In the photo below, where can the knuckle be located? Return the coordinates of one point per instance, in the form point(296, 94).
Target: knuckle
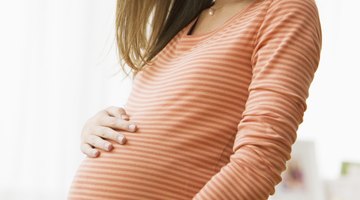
point(91, 139)
point(109, 132)
point(87, 134)
point(103, 134)
point(113, 122)
point(97, 141)
point(99, 113)
point(86, 129)
point(90, 123)
point(113, 134)
point(121, 110)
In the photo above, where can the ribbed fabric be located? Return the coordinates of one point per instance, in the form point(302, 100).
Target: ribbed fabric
point(217, 113)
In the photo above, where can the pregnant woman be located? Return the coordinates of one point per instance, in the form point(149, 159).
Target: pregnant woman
point(219, 91)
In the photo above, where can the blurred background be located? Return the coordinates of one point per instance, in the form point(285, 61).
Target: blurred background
point(57, 66)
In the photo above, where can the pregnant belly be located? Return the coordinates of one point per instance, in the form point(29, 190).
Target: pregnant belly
point(149, 166)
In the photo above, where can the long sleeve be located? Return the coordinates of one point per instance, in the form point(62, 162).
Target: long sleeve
point(285, 58)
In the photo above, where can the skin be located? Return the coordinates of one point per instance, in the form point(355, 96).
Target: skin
point(224, 9)
point(106, 123)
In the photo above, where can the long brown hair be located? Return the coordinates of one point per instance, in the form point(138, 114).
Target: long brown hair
point(164, 18)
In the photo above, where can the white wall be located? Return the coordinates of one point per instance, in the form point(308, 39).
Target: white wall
point(56, 61)
point(56, 58)
point(333, 114)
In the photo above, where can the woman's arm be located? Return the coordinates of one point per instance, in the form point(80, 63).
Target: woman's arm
point(286, 56)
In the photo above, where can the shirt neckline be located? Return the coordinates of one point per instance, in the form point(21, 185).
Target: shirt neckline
point(218, 29)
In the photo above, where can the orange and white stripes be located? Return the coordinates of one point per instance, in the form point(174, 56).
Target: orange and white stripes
point(217, 113)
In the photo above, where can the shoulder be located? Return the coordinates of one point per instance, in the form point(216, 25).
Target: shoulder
point(292, 11)
point(295, 19)
point(297, 6)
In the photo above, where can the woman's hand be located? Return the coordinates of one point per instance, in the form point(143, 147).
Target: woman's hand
point(103, 125)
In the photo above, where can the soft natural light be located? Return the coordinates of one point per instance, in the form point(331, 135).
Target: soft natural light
point(56, 66)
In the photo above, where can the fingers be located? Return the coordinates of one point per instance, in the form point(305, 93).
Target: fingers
point(95, 140)
point(117, 123)
point(98, 142)
point(103, 126)
point(89, 151)
point(106, 132)
point(119, 112)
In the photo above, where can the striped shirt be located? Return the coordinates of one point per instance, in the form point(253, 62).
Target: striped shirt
point(217, 113)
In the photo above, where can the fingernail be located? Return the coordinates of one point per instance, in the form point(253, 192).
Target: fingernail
point(121, 139)
point(95, 153)
point(132, 127)
point(107, 146)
